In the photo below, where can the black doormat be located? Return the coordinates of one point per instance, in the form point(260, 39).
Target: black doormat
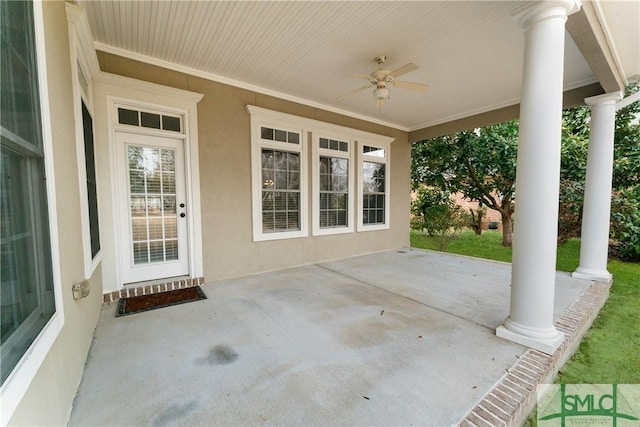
point(142, 303)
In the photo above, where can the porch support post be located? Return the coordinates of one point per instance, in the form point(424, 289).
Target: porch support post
point(594, 243)
point(530, 320)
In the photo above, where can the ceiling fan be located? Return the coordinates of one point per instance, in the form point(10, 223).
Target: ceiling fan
point(382, 80)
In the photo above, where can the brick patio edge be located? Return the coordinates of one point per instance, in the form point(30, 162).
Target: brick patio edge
point(151, 289)
point(505, 400)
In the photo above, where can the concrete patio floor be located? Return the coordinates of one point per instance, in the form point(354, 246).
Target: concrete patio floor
point(396, 338)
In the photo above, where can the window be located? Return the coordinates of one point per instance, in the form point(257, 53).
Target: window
point(149, 119)
point(332, 186)
point(373, 177)
point(374, 187)
point(279, 178)
point(334, 191)
point(92, 188)
point(280, 191)
point(26, 277)
point(85, 153)
point(338, 161)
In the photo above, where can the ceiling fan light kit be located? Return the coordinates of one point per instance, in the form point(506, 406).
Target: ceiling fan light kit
point(381, 79)
point(381, 93)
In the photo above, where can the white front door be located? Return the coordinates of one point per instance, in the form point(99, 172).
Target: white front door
point(153, 211)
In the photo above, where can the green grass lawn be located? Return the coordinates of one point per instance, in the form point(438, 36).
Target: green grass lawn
point(610, 351)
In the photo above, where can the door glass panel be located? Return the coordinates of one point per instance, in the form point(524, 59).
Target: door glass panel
point(168, 183)
point(153, 183)
point(155, 228)
point(171, 249)
point(168, 160)
point(136, 179)
point(156, 251)
point(140, 253)
point(139, 226)
point(152, 189)
point(170, 228)
point(169, 205)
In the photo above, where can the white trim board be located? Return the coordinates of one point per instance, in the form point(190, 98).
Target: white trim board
point(83, 60)
point(315, 126)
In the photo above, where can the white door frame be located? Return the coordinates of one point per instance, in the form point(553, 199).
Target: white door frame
point(151, 270)
point(122, 228)
point(110, 91)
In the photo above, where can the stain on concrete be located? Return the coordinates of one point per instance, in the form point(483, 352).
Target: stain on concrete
point(173, 413)
point(221, 355)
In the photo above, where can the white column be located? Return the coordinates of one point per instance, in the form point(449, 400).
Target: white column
point(594, 243)
point(530, 320)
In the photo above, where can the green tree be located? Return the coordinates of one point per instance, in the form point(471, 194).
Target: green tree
point(626, 168)
point(625, 203)
point(573, 166)
point(480, 164)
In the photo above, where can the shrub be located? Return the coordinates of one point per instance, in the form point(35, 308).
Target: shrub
point(475, 219)
point(570, 209)
point(426, 198)
point(434, 212)
point(445, 222)
point(625, 224)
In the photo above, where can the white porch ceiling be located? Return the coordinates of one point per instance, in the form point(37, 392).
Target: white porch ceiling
point(470, 53)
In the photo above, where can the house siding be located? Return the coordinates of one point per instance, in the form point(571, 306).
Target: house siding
point(49, 398)
point(224, 135)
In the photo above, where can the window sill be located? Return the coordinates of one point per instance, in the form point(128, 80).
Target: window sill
point(332, 231)
point(376, 227)
point(18, 382)
point(264, 237)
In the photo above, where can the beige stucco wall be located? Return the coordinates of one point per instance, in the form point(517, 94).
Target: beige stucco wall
point(225, 178)
point(48, 400)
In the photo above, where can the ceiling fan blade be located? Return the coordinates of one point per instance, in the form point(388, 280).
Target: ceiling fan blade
point(361, 76)
point(360, 89)
point(406, 68)
point(418, 87)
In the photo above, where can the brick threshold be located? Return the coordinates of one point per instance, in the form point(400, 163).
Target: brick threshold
point(151, 289)
point(513, 397)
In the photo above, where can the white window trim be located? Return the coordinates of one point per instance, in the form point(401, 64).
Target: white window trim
point(386, 160)
point(17, 383)
point(84, 58)
point(261, 116)
point(257, 144)
point(317, 152)
point(153, 109)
